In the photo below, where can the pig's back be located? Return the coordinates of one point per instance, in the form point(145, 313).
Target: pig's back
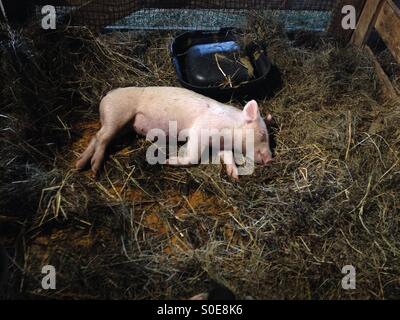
point(176, 98)
point(164, 104)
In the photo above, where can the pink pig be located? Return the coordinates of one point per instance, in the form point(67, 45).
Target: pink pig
point(144, 109)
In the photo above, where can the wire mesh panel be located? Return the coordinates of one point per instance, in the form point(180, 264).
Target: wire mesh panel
point(214, 19)
point(175, 14)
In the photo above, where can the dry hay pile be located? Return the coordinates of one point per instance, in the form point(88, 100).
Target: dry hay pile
point(140, 231)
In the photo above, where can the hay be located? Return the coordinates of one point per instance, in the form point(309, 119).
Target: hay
point(141, 231)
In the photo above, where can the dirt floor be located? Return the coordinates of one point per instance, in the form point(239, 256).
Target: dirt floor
point(153, 232)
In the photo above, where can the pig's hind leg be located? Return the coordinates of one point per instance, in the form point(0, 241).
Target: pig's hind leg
point(86, 155)
point(112, 123)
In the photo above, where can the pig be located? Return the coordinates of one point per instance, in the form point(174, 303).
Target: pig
point(145, 108)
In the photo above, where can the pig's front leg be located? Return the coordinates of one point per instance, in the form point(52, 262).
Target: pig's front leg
point(229, 161)
point(194, 149)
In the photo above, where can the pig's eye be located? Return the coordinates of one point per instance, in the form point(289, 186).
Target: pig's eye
point(263, 135)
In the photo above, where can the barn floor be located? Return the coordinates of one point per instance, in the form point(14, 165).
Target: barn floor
point(153, 232)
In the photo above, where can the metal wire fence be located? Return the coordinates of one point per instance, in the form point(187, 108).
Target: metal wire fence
point(179, 14)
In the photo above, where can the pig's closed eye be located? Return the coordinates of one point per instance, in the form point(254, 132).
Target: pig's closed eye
point(263, 134)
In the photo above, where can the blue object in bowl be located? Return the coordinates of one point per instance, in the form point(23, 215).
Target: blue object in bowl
point(209, 48)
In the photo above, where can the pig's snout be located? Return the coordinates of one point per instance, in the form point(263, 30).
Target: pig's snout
point(267, 159)
point(264, 158)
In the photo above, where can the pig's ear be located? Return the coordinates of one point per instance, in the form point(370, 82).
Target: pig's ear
point(250, 111)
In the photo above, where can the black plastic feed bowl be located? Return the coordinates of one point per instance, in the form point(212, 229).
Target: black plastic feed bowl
point(214, 64)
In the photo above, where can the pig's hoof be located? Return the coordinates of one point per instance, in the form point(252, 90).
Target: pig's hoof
point(232, 171)
point(80, 164)
point(95, 173)
point(200, 296)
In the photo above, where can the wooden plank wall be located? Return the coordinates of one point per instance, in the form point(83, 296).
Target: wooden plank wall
point(365, 22)
point(388, 26)
point(384, 16)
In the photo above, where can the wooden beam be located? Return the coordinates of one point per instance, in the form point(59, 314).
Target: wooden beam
point(388, 27)
point(387, 86)
point(366, 21)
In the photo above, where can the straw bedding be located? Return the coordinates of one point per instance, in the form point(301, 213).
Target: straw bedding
point(139, 231)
